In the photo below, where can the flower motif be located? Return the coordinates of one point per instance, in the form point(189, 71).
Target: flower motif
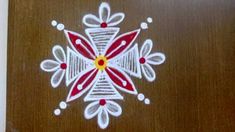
point(102, 109)
point(59, 66)
point(145, 60)
point(104, 20)
point(101, 63)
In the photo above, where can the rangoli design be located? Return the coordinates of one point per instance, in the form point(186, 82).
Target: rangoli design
point(100, 67)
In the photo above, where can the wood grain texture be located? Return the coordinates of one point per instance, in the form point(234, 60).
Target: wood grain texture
point(195, 87)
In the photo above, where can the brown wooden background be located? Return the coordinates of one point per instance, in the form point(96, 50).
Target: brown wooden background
point(195, 87)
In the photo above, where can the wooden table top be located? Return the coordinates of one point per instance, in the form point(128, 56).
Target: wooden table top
point(195, 87)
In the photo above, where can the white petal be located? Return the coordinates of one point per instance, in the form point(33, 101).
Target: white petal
point(49, 65)
point(103, 118)
point(156, 58)
point(113, 108)
point(104, 12)
point(57, 78)
point(148, 72)
point(115, 19)
point(59, 54)
point(91, 21)
point(146, 48)
point(92, 110)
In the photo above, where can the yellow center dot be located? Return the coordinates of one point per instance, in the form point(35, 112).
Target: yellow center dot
point(101, 62)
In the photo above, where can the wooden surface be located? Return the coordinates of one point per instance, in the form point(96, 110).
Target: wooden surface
point(195, 87)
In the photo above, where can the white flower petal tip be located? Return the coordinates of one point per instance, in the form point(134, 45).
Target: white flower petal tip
point(148, 72)
point(91, 21)
point(156, 58)
point(103, 118)
point(49, 65)
point(115, 19)
point(104, 12)
point(113, 108)
point(146, 48)
point(92, 110)
point(59, 54)
point(105, 18)
point(57, 77)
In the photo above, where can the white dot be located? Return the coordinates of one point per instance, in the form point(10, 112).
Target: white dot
point(123, 42)
point(78, 41)
point(149, 20)
point(144, 25)
point(60, 26)
point(79, 87)
point(124, 83)
point(63, 105)
point(57, 112)
point(53, 23)
point(147, 101)
point(140, 97)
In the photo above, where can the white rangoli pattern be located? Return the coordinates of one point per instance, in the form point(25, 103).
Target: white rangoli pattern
point(102, 65)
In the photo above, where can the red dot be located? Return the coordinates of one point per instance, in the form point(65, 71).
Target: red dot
point(142, 60)
point(101, 62)
point(102, 102)
point(63, 66)
point(103, 25)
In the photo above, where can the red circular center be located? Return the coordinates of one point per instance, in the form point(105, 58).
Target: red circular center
point(142, 60)
point(102, 102)
point(63, 66)
point(103, 25)
point(101, 62)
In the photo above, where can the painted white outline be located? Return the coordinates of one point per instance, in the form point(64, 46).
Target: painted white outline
point(127, 77)
point(123, 43)
point(79, 56)
point(136, 61)
point(71, 44)
point(137, 30)
point(69, 99)
point(118, 96)
point(103, 31)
